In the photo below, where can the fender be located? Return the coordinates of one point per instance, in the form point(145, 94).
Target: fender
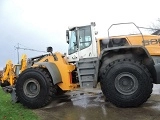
point(53, 70)
point(136, 49)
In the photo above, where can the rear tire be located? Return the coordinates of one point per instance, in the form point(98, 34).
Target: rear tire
point(34, 88)
point(126, 83)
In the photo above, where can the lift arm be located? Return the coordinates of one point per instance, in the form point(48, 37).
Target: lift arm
point(23, 62)
point(8, 73)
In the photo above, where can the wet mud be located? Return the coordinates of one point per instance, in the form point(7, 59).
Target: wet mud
point(90, 104)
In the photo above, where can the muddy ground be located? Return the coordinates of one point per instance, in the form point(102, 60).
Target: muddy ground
point(89, 104)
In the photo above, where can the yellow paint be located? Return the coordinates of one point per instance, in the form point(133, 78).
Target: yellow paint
point(153, 49)
point(65, 70)
point(23, 62)
point(9, 71)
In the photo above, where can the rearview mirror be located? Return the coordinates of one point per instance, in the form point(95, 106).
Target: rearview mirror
point(49, 49)
point(67, 36)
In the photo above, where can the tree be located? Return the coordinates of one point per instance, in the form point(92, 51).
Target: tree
point(156, 27)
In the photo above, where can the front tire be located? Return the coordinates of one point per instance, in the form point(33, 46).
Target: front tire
point(126, 83)
point(34, 88)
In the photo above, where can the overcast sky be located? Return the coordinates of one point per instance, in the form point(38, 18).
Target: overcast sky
point(37, 24)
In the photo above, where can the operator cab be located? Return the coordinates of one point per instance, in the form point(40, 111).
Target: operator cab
point(82, 43)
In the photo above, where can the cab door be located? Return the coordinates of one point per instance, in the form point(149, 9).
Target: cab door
point(73, 47)
point(87, 43)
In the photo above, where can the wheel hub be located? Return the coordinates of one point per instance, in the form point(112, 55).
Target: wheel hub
point(31, 88)
point(126, 83)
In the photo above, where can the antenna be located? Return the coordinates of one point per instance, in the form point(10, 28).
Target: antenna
point(25, 48)
point(18, 51)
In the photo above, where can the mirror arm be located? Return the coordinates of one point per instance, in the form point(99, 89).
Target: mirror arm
point(67, 36)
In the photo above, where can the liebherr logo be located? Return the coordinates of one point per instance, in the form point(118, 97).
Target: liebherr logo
point(151, 42)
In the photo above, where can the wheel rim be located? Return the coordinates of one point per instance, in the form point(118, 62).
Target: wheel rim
point(126, 83)
point(31, 88)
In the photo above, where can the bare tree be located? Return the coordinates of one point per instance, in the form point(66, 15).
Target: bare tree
point(156, 27)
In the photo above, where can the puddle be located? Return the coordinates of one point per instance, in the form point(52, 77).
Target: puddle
point(89, 104)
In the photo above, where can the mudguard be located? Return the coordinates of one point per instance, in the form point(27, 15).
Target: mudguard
point(136, 49)
point(53, 70)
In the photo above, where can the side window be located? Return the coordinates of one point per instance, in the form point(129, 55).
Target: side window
point(84, 37)
point(72, 43)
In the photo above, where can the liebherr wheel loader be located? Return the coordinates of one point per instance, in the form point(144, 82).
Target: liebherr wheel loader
point(125, 66)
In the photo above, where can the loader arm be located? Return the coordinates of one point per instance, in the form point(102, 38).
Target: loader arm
point(23, 63)
point(8, 74)
point(11, 71)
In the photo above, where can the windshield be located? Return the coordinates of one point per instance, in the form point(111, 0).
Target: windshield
point(72, 42)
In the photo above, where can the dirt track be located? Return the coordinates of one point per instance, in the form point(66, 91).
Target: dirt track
point(89, 104)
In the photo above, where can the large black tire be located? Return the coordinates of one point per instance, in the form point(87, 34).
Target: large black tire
point(58, 91)
point(126, 83)
point(34, 88)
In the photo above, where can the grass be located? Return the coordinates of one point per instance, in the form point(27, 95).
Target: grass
point(14, 111)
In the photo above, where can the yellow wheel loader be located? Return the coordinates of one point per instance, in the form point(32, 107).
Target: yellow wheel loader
point(10, 74)
point(125, 66)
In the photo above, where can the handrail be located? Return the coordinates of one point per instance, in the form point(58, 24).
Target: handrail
point(126, 23)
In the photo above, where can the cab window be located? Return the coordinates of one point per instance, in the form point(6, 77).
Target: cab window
point(72, 43)
point(84, 37)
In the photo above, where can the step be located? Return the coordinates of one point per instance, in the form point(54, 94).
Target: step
point(86, 67)
point(86, 80)
point(87, 72)
point(88, 84)
point(87, 60)
point(91, 73)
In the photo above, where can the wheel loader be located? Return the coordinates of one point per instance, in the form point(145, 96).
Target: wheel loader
point(11, 72)
point(126, 67)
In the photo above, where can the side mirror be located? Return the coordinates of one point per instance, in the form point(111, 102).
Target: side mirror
point(49, 49)
point(67, 36)
point(93, 24)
